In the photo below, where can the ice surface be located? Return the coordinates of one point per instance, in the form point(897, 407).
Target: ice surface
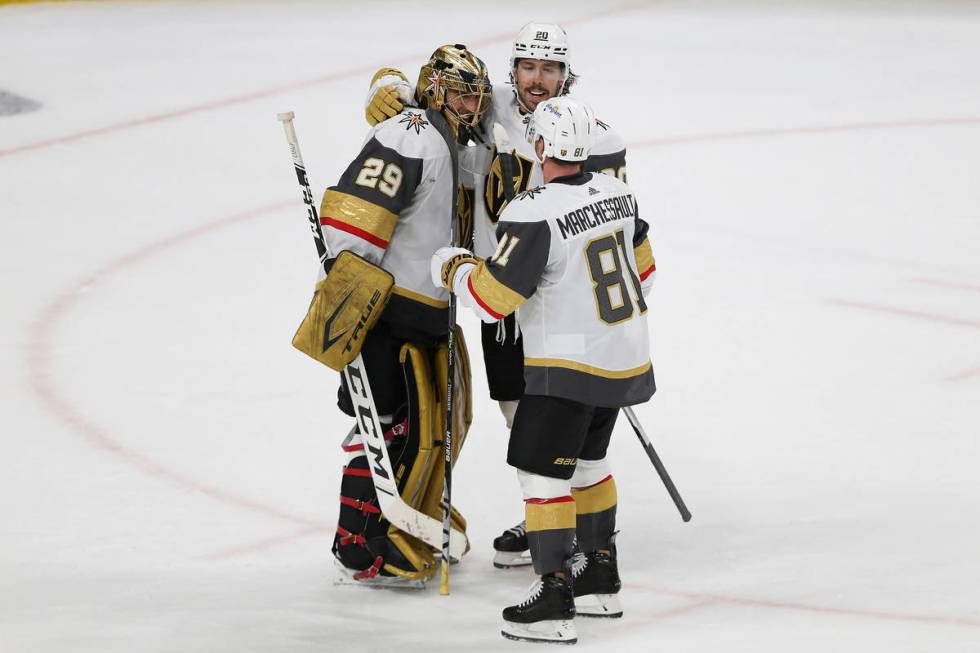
point(170, 465)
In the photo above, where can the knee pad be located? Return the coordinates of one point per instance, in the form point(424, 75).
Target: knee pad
point(590, 472)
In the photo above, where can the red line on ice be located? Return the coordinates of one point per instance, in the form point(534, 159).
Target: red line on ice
point(964, 375)
point(904, 312)
point(269, 543)
point(947, 284)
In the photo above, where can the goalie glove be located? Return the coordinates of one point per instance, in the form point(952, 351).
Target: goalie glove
point(447, 262)
point(389, 93)
point(345, 306)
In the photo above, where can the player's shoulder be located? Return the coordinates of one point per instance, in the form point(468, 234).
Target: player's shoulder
point(607, 139)
point(527, 206)
point(411, 134)
point(505, 110)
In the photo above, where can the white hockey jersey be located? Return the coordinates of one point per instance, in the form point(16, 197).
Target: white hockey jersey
point(575, 257)
point(608, 155)
point(392, 207)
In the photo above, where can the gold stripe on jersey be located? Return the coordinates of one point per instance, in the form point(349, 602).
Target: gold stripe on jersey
point(360, 217)
point(419, 297)
point(549, 516)
point(595, 498)
point(588, 369)
point(644, 256)
point(497, 298)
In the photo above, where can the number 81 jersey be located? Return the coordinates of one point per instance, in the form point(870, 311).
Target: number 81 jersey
point(575, 257)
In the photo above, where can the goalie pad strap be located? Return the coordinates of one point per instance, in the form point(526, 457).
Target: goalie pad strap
point(371, 571)
point(354, 471)
point(346, 537)
point(394, 431)
point(365, 507)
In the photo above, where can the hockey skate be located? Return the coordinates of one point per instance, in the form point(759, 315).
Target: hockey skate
point(595, 577)
point(374, 577)
point(511, 548)
point(545, 615)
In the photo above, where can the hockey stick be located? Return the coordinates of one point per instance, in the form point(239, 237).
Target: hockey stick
point(392, 506)
point(506, 160)
point(657, 464)
point(439, 122)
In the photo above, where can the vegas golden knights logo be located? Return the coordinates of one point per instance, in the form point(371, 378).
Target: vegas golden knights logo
point(494, 192)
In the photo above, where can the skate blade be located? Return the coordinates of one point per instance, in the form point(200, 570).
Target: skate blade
point(508, 559)
point(598, 605)
point(557, 631)
point(345, 576)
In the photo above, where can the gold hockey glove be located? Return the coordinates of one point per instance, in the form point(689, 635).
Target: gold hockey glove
point(389, 93)
point(344, 308)
point(446, 261)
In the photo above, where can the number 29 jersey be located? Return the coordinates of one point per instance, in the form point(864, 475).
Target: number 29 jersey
point(574, 256)
point(392, 206)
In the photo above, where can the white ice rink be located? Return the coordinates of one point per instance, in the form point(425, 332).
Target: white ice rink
point(170, 466)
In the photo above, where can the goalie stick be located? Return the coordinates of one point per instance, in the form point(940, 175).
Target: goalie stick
point(393, 507)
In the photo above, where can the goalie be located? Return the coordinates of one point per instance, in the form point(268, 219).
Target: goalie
point(388, 214)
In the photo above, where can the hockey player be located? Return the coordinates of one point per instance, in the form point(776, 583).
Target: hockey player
point(573, 254)
point(540, 69)
point(392, 208)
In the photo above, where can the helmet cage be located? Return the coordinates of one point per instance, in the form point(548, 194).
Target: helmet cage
point(453, 68)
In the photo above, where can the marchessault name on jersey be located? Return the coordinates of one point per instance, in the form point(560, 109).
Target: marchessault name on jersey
point(593, 215)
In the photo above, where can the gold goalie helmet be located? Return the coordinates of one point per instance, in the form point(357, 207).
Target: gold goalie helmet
point(455, 82)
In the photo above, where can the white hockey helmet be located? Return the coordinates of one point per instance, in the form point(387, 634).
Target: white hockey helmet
point(567, 127)
point(541, 41)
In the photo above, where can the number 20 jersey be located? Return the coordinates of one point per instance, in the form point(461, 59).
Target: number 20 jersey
point(575, 257)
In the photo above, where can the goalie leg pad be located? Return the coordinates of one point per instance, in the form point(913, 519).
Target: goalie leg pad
point(416, 453)
point(424, 487)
